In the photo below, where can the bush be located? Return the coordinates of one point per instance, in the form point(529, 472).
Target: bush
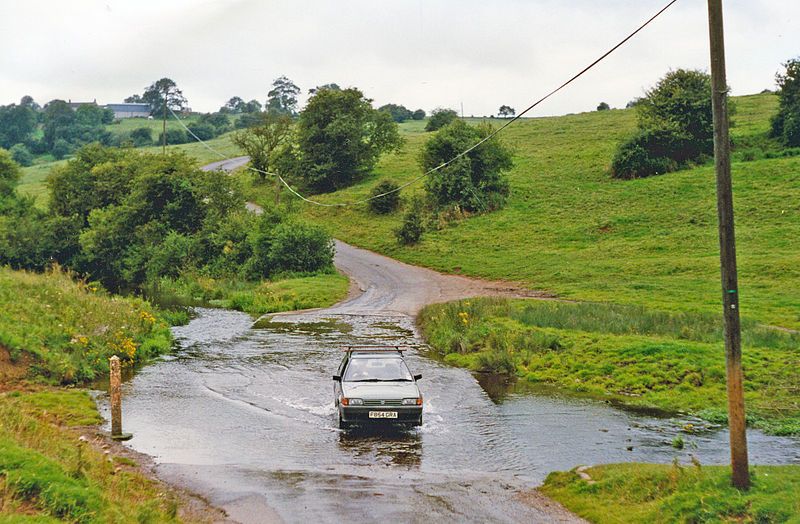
point(301, 248)
point(603, 106)
point(142, 136)
point(61, 148)
point(786, 124)
point(174, 136)
point(440, 118)
point(388, 203)
point(202, 131)
point(649, 153)
point(21, 155)
point(474, 182)
point(411, 230)
point(419, 114)
point(249, 120)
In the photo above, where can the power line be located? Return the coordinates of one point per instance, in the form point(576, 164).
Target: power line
point(469, 149)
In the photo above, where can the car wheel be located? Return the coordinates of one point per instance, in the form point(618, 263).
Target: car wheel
point(418, 422)
point(343, 424)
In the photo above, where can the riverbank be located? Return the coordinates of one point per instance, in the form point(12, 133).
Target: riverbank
point(658, 493)
point(630, 355)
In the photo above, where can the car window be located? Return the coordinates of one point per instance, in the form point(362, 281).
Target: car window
point(377, 369)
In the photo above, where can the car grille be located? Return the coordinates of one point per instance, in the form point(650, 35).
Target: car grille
point(370, 402)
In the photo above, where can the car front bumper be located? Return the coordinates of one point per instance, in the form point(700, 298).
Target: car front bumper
point(361, 413)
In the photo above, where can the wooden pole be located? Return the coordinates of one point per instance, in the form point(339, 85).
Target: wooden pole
point(115, 394)
point(727, 245)
point(164, 131)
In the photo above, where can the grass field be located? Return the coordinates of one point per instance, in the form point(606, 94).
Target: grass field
point(629, 354)
point(570, 229)
point(655, 493)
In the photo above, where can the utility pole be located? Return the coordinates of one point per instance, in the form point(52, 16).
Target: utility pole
point(727, 246)
point(164, 131)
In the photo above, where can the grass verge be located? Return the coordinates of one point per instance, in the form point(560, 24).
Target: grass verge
point(256, 298)
point(49, 474)
point(655, 493)
point(68, 329)
point(638, 357)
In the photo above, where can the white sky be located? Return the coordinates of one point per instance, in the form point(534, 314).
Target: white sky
point(413, 52)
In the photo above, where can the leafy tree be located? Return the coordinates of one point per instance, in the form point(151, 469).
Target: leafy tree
point(419, 114)
point(253, 106)
point(21, 155)
point(174, 136)
point(474, 181)
point(675, 127)
point(28, 101)
point(9, 174)
point(17, 124)
point(220, 121)
point(340, 138)
point(248, 120)
point(385, 198)
point(410, 232)
point(300, 248)
point(440, 118)
point(235, 106)
point(786, 123)
point(333, 86)
point(603, 106)
point(262, 141)
point(163, 90)
point(202, 130)
point(142, 136)
point(282, 98)
point(61, 148)
point(134, 99)
point(399, 113)
point(506, 111)
point(65, 128)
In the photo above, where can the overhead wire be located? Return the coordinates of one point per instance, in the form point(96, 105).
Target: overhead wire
point(488, 137)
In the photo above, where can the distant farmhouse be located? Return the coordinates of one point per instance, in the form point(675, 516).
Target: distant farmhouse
point(129, 110)
point(122, 110)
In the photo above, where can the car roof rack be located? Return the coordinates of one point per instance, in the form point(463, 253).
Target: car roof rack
point(398, 348)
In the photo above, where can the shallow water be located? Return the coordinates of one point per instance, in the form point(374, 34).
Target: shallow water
point(242, 410)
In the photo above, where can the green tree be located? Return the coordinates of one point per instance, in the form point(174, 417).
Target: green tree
point(17, 124)
point(474, 181)
point(134, 99)
point(21, 155)
point(159, 91)
point(282, 98)
point(675, 127)
point(603, 106)
point(506, 111)
point(340, 138)
point(9, 174)
point(261, 142)
point(333, 86)
point(142, 136)
point(202, 131)
point(440, 118)
point(399, 113)
point(786, 123)
point(235, 105)
point(253, 106)
point(385, 198)
point(419, 114)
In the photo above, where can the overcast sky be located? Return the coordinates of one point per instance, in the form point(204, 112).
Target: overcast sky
point(422, 54)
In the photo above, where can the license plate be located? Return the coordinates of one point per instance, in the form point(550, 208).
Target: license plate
point(383, 414)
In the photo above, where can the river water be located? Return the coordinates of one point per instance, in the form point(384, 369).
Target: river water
point(244, 413)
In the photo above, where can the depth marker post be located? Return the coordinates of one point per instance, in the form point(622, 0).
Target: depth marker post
point(115, 394)
point(727, 254)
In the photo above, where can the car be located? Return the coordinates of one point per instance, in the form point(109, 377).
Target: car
point(373, 384)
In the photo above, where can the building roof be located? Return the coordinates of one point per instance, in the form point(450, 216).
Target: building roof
point(134, 108)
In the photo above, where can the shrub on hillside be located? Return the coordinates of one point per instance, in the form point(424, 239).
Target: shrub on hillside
point(474, 181)
point(440, 118)
point(61, 148)
point(388, 202)
point(21, 155)
point(786, 123)
point(142, 136)
point(675, 127)
point(413, 224)
point(174, 136)
point(202, 131)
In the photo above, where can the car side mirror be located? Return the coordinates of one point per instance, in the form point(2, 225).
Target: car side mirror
point(417, 377)
point(337, 378)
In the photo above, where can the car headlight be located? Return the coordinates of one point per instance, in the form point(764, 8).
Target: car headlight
point(412, 401)
point(352, 402)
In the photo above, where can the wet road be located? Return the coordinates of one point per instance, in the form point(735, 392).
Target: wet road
point(244, 414)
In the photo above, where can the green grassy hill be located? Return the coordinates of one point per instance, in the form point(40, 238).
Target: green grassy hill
point(570, 229)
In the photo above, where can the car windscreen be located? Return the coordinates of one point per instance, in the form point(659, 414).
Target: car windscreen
point(377, 370)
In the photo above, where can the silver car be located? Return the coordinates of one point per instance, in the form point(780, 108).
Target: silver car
point(374, 384)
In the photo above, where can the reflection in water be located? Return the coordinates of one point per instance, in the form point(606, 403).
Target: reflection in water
point(387, 444)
